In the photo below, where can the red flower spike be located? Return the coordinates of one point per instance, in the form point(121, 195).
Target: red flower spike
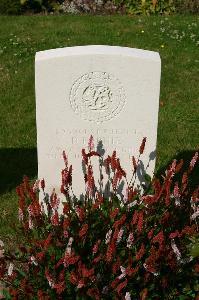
point(41, 295)
point(115, 234)
point(140, 222)
point(189, 230)
point(141, 150)
point(141, 252)
point(87, 272)
point(114, 283)
point(115, 181)
point(114, 161)
point(60, 287)
point(114, 213)
point(179, 166)
point(165, 218)
point(96, 247)
point(42, 184)
point(120, 222)
point(107, 163)
point(80, 284)
point(193, 161)
point(40, 256)
point(171, 260)
point(116, 266)
point(55, 219)
point(47, 241)
point(121, 172)
point(173, 235)
point(150, 262)
point(184, 178)
point(99, 201)
point(90, 181)
point(134, 163)
point(54, 200)
point(93, 153)
point(66, 180)
point(70, 260)
point(157, 187)
point(121, 286)
point(84, 157)
point(159, 238)
point(168, 196)
point(65, 158)
point(73, 278)
point(131, 271)
point(184, 181)
point(19, 191)
point(66, 208)
point(195, 195)
point(80, 213)
point(110, 251)
point(91, 143)
point(97, 259)
point(66, 223)
point(83, 230)
point(62, 189)
point(150, 234)
point(49, 278)
point(14, 293)
point(94, 293)
point(135, 217)
point(131, 193)
point(26, 183)
point(196, 268)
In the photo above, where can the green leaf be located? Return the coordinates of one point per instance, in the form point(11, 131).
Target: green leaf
point(195, 250)
point(6, 294)
point(147, 178)
point(21, 272)
point(23, 2)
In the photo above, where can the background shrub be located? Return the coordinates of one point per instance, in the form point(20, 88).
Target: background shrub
point(87, 6)
point(10, 7)
point(147, 7)
point(187, 6)
point(40, 5)
point(134, 7)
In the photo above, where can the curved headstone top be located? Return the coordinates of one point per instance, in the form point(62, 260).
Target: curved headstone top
point(97, 50)
point(109, 92)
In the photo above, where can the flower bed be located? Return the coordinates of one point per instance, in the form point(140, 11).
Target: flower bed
point(134, 247)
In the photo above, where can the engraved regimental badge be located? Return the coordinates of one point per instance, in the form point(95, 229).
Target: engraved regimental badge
point(97, 97)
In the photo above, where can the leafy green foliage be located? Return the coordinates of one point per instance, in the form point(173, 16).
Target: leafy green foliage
point(194, 247)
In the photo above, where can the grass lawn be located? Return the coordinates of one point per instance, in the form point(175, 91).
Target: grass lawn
point(176, 39)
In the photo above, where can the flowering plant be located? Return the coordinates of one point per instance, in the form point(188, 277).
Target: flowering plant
point(105, 247)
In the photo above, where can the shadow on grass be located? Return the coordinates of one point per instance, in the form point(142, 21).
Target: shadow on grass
point(14, 164)
point(186, 156)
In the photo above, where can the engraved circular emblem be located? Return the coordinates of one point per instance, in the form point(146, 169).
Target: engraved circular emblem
point(97, 96)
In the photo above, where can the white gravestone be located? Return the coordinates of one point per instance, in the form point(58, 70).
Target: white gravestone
point(109, 92)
